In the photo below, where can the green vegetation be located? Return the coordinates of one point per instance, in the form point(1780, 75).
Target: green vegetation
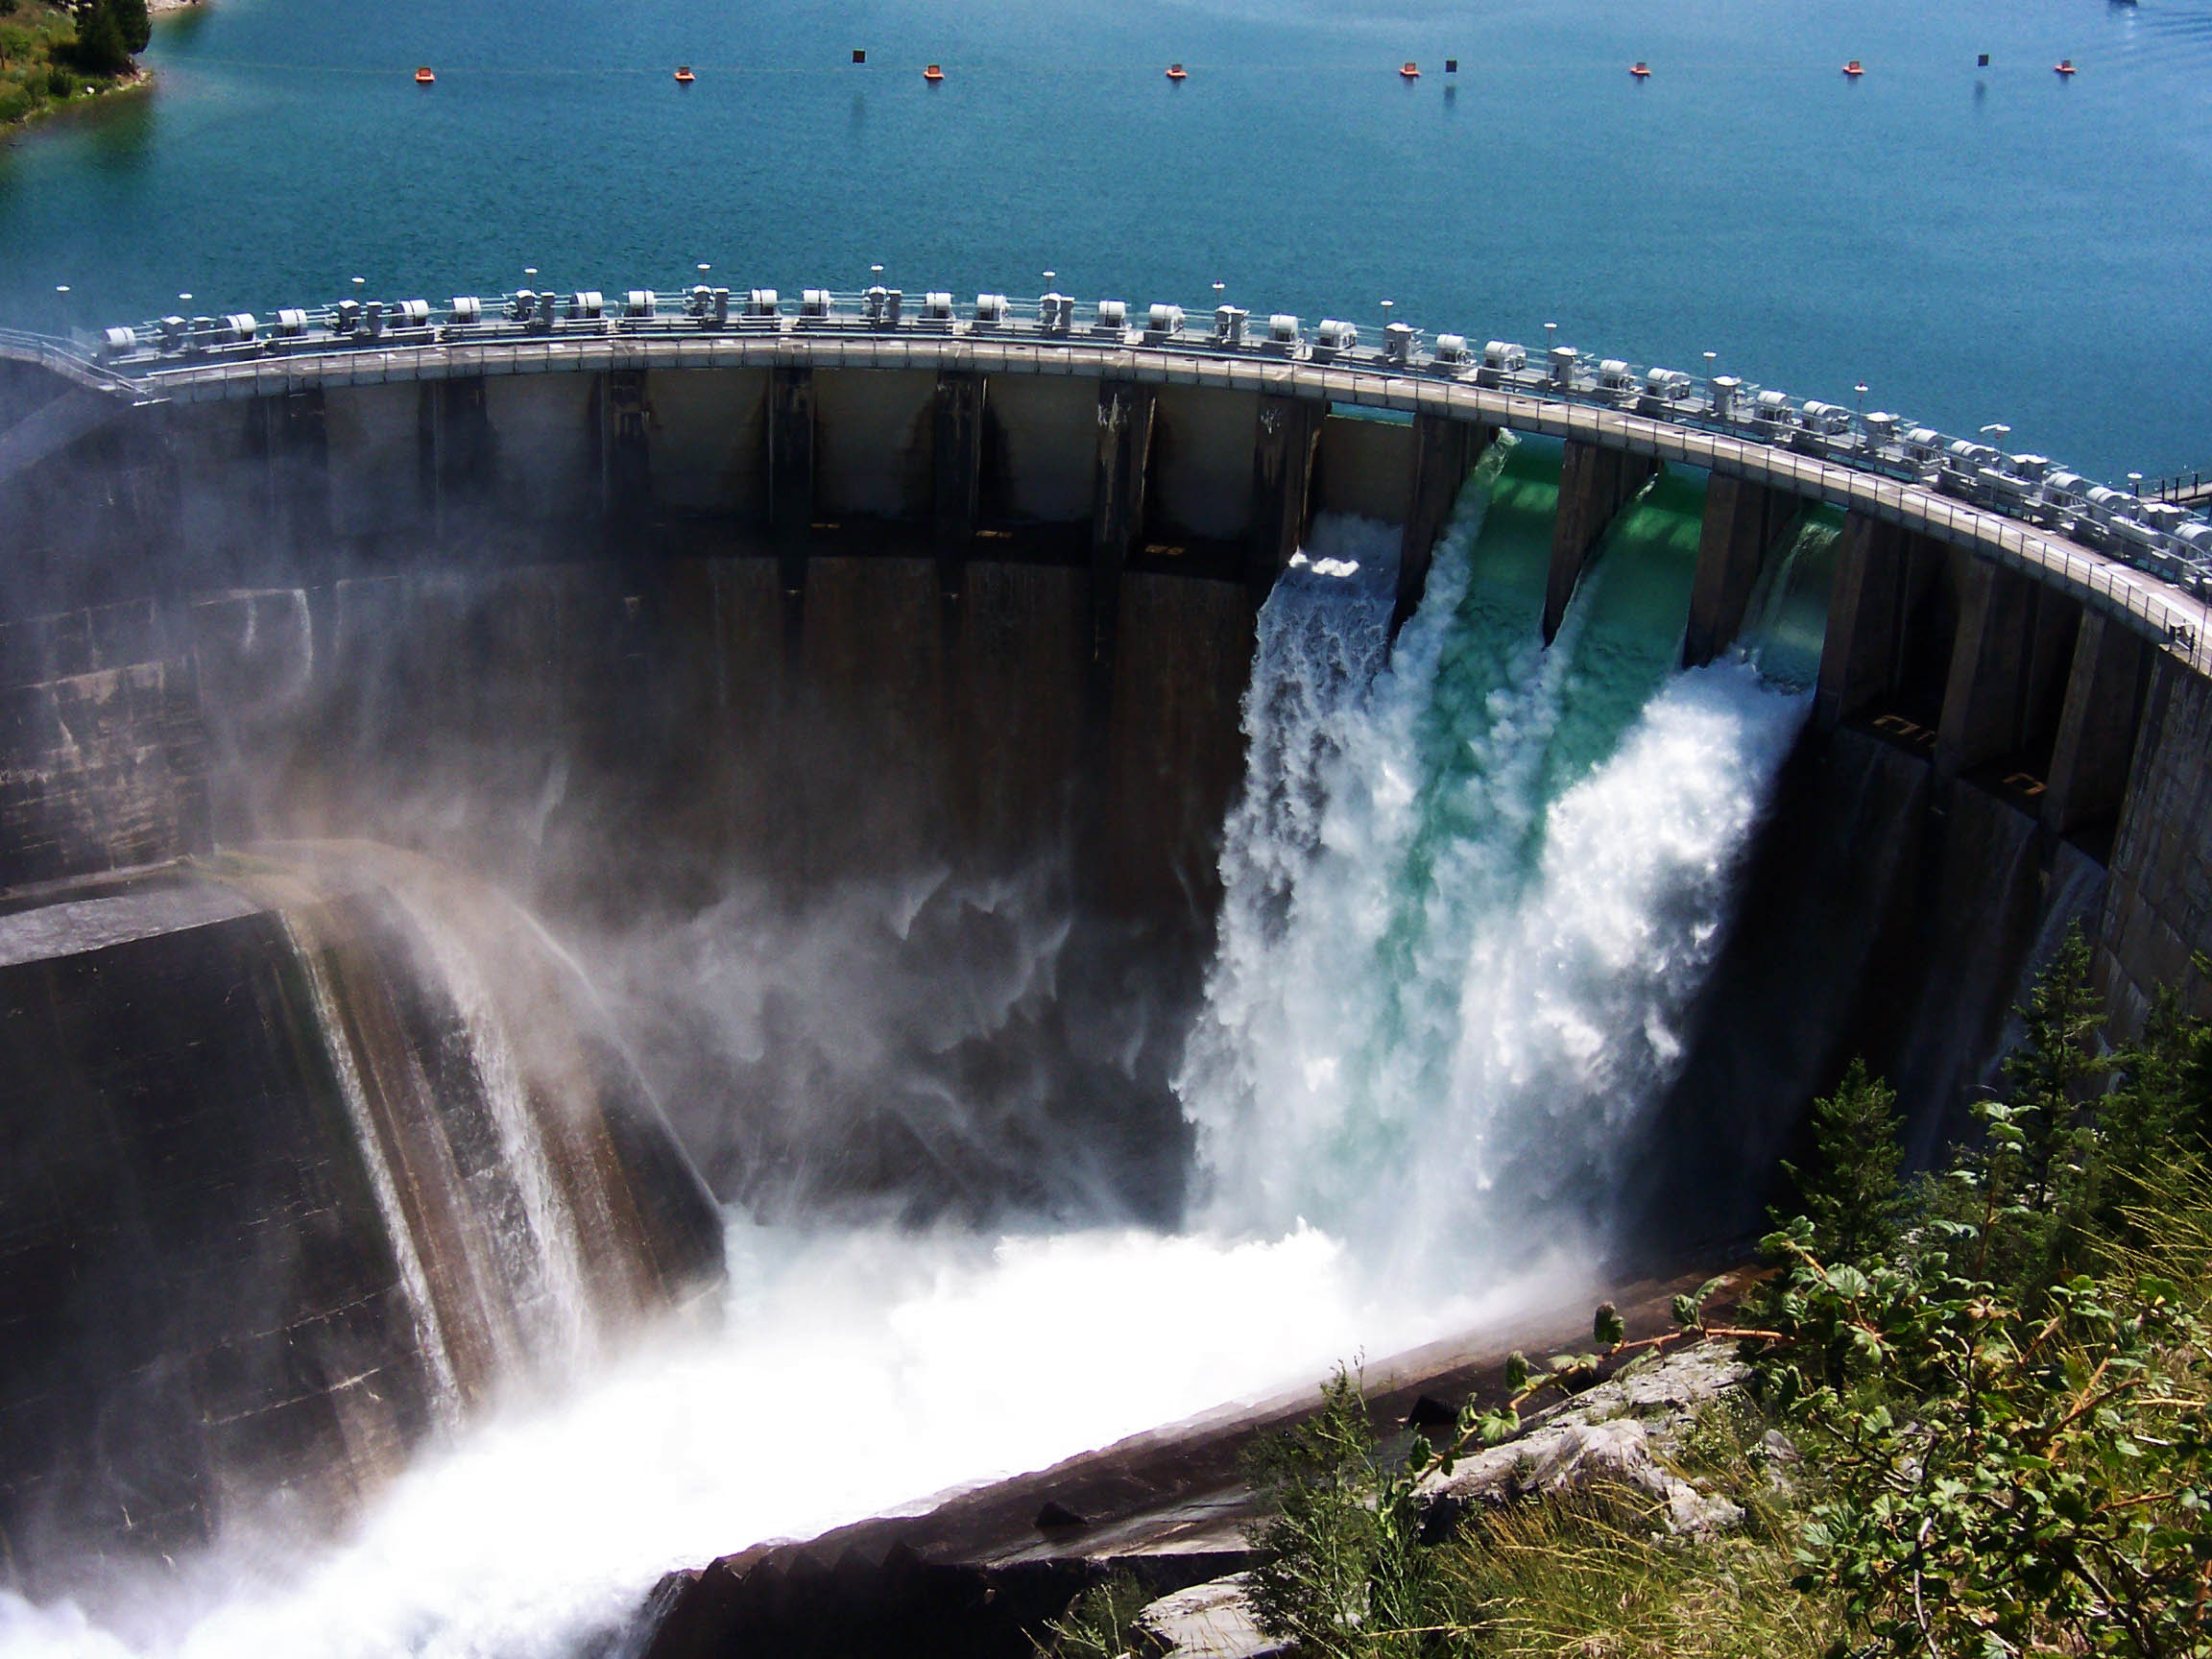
point(1979, 1422)
point(50, 53)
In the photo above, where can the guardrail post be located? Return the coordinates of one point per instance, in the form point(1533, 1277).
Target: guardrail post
point(2096, 742)
point(1444, 449)
point(1290, 431)
point(1595, 483)
point(1743, 523)
point(957, 467)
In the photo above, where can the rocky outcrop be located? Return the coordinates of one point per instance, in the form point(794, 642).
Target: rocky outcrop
point(1211, 1620)
point(1622, 1432)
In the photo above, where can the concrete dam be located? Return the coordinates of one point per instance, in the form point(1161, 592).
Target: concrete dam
point(484, 797)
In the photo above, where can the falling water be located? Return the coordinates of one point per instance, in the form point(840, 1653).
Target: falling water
point(539, 1246)
point(430, 1336)
point(1471, 894)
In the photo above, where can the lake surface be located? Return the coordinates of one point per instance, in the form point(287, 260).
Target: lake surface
point(1978, 245)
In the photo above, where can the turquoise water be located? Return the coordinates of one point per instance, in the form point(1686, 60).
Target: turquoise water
point(1469, 901)
point(1634, 601)
point(1977, 246)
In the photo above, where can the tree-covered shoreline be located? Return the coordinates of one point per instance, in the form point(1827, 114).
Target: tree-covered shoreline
point(53, 55)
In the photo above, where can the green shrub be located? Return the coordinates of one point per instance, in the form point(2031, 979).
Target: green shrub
point(1101, 1624)
point(1342, 1573)
point(16, 103)
point(59, 82)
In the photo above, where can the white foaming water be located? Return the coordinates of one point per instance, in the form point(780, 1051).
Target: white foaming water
point(1431, 1042)
point(858, 1375)
point(540, 1251)
point(1439, 1000)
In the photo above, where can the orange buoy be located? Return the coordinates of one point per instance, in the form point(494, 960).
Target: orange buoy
point(423, 77)
point(684, 75)
point(1411, 71)
point(2064, 66)
point(1640, 70)
point(1852, 69)
point(932, 73)
point(1175, 72)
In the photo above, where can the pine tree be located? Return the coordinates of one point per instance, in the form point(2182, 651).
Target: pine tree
point(1852, 1193)
point(2055, 1069)
point(134, 21)
point(100, 45)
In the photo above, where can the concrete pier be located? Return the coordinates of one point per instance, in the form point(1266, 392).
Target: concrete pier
point(1444, 450)
point(2096, 736)
point(1743, 524)
point(1983, 701)
point(1878, 634)
point(791, 469)
point(1124, 451)
point(1288, 433)
point(1594, 485)
point(628, 479)
point(956, 461)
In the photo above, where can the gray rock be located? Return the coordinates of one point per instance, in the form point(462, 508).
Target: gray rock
point(1211, 1620)
point(1619, 1433)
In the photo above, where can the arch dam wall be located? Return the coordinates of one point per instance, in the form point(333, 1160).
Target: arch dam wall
point(600, 617)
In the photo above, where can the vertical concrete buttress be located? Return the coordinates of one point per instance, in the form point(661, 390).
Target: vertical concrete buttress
point(2096, 739)
point(1443, 451)
point(1986, 699)
point(1859, 656)
point(957, 465)
point(791, 471)
point(1743, 523)
point(1288, 432)
point(1595, 483)
point(1118, 513)
point(628, 461)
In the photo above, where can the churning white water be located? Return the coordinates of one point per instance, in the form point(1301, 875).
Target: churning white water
point(858, 1375)
point(1471, 897)
point(1471, 891)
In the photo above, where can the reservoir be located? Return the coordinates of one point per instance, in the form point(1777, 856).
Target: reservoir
point(1976, 245)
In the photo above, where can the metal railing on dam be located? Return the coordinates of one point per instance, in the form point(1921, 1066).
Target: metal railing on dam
point(2147, 560)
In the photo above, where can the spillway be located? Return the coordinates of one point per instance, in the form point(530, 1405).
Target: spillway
point(1471, 893)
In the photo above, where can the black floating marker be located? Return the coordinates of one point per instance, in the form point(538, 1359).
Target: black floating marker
point(1982, 62)
point(1451, 65)
point(859, 56)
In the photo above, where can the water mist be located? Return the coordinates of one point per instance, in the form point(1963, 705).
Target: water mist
point(1471, 885)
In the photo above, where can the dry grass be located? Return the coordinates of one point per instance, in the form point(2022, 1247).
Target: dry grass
point(1596, 1581)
